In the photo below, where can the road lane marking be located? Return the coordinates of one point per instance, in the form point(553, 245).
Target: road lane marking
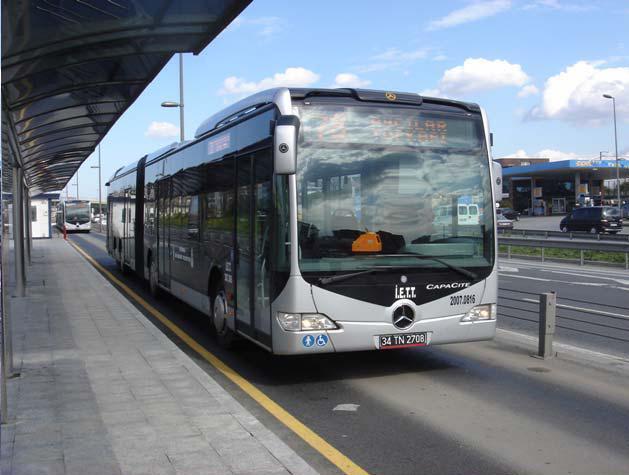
point(578, 270)
point(541, 279)
point(591, 310)
point(344, 463)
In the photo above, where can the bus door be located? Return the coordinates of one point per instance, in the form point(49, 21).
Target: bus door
point(253, 225)
point(128, 240)
point(163, 231)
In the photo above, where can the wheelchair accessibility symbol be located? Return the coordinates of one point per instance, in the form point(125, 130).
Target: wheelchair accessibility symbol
point(322, 340)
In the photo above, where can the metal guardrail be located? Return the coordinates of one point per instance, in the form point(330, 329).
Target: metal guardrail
point(575, 244)
point(569, 235)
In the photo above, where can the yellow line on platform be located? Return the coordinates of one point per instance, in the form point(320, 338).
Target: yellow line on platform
point(341, 461)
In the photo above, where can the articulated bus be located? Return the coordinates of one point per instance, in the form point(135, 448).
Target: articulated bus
point(74, 215)
point(311, 221)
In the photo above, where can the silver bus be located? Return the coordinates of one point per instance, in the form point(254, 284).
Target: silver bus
point(74, 216)
point(312, 221)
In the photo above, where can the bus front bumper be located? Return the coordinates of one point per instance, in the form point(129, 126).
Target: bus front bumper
point(363, 336)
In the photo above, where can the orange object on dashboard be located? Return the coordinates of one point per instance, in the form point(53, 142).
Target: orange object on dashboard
point(367, 242)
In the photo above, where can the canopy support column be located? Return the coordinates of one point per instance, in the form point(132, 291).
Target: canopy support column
point(28, 245)
point(18, 233)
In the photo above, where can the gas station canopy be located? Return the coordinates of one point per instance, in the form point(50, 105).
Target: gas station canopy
point(71, 68)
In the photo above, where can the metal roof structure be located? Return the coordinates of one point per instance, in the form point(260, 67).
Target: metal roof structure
point(71, 68)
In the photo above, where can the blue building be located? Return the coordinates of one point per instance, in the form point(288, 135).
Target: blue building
point(541, 187)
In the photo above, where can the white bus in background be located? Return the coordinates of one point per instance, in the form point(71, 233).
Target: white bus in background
point(74, 215)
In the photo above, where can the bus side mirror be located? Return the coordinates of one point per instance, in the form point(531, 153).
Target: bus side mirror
point(285, 145)
point(497, 169)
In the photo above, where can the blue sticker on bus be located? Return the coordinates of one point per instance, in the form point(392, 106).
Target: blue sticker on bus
point(308, 341)
point(322, 340)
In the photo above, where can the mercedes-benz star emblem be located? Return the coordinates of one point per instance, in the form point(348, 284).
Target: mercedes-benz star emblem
point(403, 317)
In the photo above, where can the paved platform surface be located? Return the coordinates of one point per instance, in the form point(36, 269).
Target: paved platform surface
point(102, 391)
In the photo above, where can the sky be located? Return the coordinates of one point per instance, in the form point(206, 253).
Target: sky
point(538, 67)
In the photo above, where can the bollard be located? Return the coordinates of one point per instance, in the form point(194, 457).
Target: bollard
point(65, 232)
point(547, 314)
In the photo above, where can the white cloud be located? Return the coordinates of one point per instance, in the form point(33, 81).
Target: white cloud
point(440, 57)
point(268, 25)
point(519, 154)
point(397, 55)
point(575, 94)
point(557, 155)
point(559, 6)
point(552, 154)
point(162, 130)
point(349, 80)
point(473, 12)
point(529, 90)
point(480, 74)
point(291, 77)
point(393, 58)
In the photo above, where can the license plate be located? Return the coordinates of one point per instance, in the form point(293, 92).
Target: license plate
point(402, 340)
point(614, 224)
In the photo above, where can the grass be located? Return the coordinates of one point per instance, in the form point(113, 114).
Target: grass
point(571, 254)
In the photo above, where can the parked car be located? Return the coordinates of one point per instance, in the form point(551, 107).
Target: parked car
point(593, 219)
point(502, 222)
point(510, 214)
point(624, 211)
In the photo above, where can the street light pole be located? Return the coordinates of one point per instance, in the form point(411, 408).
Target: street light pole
point(77, 184)
point(181, 127)
point(100, 201)
point(607, 96)
point(180, 103)
point(600, 154)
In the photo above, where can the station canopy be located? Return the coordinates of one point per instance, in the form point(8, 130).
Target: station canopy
point(71, 68)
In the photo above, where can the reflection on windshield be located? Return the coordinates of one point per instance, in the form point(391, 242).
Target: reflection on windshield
point(433, 201)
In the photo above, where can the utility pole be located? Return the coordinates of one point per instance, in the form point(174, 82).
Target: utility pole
point(100, 201)
point(608, 96)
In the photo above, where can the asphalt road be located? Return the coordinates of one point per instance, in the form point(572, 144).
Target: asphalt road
point(471, 408)
point(592, 302)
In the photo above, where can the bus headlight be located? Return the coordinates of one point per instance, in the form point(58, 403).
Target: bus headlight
point(481, 312)
point(294, 322)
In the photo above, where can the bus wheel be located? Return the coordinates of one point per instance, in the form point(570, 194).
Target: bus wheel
point(153, 279)
point(224, 334)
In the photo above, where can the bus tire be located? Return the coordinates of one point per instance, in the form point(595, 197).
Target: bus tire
point(153, 279)
point(224, 334)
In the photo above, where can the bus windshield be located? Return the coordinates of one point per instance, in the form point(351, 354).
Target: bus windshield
point(418, 180)
point(77, 213)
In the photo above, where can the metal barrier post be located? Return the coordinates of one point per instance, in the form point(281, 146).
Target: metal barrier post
point(542, 254)
point(626, 260)
point(547, 316)
point(509, 251)
point(582, 259)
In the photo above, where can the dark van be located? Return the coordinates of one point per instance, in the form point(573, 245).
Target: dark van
point(594, 219)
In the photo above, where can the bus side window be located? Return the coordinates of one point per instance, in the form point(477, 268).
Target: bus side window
point(193, 217)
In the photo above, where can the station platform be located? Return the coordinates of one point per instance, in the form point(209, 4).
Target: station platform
point(102, 391)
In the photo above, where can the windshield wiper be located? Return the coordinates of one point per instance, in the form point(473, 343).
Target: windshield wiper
point(467, 273)
point(340, 277)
